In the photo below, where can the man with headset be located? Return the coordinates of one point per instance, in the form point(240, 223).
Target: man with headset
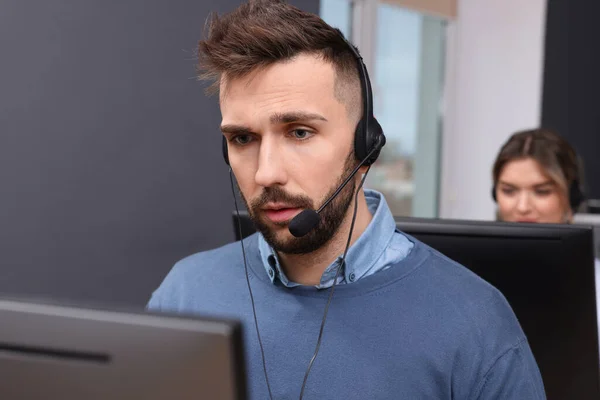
point(299, 137)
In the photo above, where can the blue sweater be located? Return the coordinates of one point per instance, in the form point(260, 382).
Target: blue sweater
point(426, 328)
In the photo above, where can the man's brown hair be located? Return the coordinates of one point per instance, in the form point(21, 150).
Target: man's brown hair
point(262, 32)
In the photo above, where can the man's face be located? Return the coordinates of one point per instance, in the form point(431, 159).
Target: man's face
point(290, 145)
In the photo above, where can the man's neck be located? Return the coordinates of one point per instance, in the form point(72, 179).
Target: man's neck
point(307, 269)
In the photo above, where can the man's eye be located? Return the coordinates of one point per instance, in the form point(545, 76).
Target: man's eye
point(301, 134)
point(242, 139)
point(508, 191)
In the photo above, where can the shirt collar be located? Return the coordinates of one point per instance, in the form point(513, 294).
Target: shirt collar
point(362, 256)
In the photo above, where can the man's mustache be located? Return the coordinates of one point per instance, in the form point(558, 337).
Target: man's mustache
point(278, 195)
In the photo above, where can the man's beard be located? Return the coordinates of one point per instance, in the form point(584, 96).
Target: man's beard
point(330, 218)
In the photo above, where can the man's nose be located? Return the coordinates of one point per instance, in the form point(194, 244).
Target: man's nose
point(271, 168)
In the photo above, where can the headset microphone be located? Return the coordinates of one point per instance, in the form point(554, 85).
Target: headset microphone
point(304, 222)
point(308, 219)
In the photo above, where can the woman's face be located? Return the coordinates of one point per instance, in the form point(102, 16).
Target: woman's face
point(526, 194)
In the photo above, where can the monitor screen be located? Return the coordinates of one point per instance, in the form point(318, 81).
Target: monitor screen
point(592, 220)
point(50, 351)
point(546, 272)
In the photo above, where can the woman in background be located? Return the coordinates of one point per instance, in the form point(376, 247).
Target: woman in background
point(538, 179)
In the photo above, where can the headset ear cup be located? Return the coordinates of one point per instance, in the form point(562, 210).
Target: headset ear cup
point(576, 196)
point(364, 141)
point(225, 150)
point(360, 141)
point(494, 193)
point(375, 138)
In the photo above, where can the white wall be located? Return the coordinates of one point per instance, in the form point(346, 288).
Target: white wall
point(493, 88)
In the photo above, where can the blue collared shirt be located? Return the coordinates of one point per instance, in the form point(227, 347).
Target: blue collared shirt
point(380, 246)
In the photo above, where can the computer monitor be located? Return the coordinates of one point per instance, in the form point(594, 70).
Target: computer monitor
point(50, 351)
point(592, 220)
point(546, 272)
point(593, 206)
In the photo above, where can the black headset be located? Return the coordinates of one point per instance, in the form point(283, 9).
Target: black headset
point(369, 136)
point(576, 195)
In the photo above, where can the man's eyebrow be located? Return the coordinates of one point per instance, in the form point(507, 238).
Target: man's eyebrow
point(295, 116)
point(236, 129)
point(277, 118)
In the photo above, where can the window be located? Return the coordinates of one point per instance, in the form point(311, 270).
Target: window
point(405, 57)
point(407, 80)
point(337, 13)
